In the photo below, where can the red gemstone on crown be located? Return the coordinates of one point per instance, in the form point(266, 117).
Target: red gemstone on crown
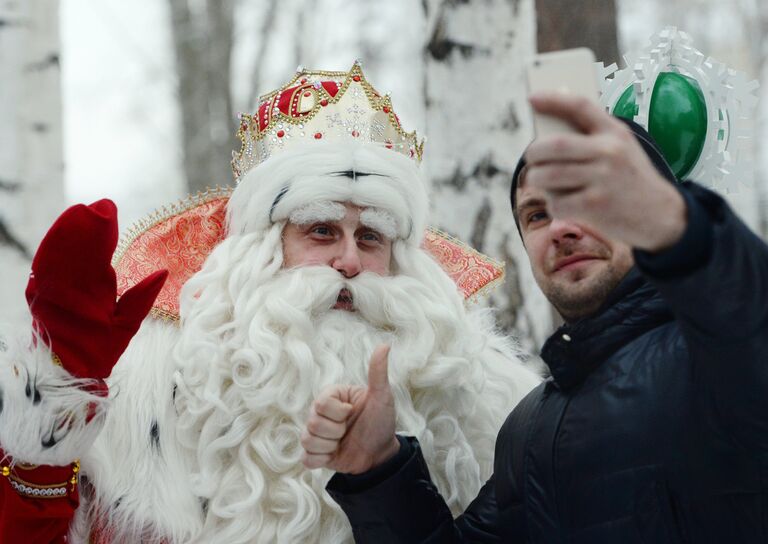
point(356, 78)
point(385, 109)
point(324, 102)
point(303, 80)
point(318, 135)
point(355, 133)
point(330, 87)
point(307, 93)
point(280, 133)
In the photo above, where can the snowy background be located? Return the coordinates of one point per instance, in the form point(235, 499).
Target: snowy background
point(122, 118)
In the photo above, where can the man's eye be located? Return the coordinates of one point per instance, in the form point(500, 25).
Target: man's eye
point(371, 236)
point(536, 217)
point(321, 230)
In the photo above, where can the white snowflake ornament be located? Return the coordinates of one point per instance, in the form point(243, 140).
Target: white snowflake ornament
point(726, 100)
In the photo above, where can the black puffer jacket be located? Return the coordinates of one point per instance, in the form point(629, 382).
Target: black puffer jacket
point(653, 428)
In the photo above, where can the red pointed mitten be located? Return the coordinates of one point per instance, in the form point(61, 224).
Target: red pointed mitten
point(72, 292)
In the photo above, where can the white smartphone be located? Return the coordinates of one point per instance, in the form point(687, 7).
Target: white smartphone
point(570, 71)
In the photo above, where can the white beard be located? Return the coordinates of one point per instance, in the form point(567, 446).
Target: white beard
point(259, 343)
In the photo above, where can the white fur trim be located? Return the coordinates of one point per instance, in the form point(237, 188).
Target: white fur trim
point(379, 220)
point(140, 475)
point(44, 408)
point(305, 174)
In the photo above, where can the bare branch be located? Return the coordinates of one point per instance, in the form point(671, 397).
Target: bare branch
point(298, 42)
point(203, 44)
point(9, 186)
point(479, 229)
point(50, 60)
point(220, 37)
point(267, 24)
point(6, 23)
point(441, 47)
point(507, 315)
point(7, 238)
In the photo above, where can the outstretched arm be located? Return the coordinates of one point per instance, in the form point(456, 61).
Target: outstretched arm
point(716, 282)
point(710, 268)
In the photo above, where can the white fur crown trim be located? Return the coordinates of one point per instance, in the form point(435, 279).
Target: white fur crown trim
point(361, 173)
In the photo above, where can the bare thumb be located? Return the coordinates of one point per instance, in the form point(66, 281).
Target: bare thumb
point(378, 379)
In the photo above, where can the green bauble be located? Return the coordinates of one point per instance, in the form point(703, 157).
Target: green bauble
point(677, 119)
point(626, 105)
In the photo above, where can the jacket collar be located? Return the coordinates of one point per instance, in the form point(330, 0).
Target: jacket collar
point(576, 349)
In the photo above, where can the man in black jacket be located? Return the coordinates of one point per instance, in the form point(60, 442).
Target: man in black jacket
point(654, 425)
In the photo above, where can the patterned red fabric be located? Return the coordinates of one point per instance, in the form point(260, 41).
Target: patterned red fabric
point(471, 271)
point(72, 292)
point(181, 243)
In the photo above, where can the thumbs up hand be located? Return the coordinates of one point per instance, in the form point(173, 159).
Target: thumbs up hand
point(351, 428)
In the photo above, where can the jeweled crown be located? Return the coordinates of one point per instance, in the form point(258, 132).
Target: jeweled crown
point(319, 106)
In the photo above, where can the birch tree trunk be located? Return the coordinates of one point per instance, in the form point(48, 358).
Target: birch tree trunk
point(478, 123)
point(31, 187)
point(755, 14)
point(762, 178)
point(203, 46)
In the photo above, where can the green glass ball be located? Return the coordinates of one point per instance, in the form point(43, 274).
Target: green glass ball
point(677, 119)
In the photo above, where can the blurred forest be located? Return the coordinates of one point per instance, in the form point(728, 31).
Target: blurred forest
point(137, 101)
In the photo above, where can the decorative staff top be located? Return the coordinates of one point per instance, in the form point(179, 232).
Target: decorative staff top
point(699, 111)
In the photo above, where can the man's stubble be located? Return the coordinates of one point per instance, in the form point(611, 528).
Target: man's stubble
point(582, 292)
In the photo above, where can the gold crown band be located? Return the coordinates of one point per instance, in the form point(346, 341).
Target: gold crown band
point(319, 106)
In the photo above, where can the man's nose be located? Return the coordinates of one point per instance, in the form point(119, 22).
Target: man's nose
point(347, 260)
point(562, 229)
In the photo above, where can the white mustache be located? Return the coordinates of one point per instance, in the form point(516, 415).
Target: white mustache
point(378, 299)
